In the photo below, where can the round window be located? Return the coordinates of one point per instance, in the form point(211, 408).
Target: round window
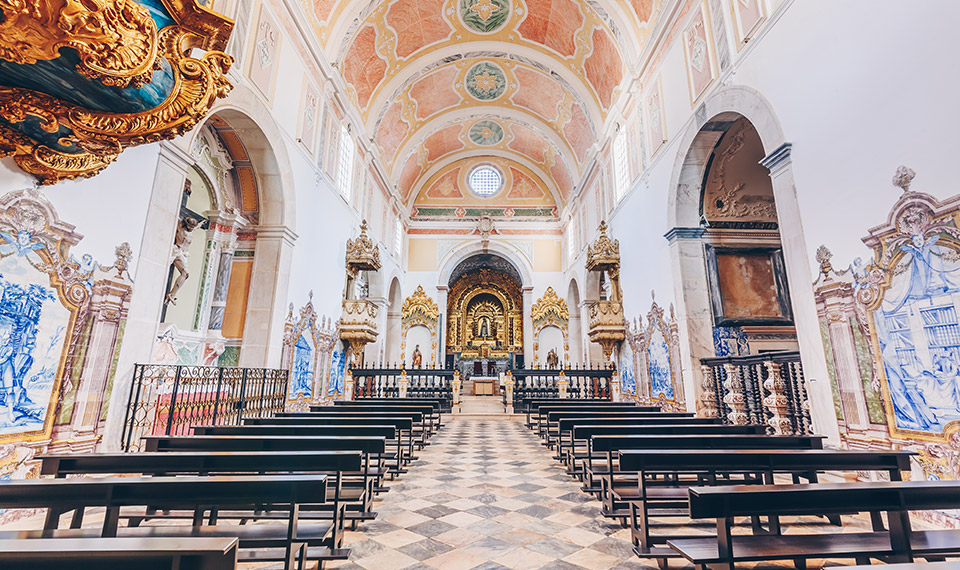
point(485, 180)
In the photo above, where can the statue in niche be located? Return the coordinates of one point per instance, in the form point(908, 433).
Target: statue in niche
point(484, 327)
point(553, 361)
point(417, 357)
point(181, 253)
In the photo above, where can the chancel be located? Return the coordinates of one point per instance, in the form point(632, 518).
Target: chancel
point(479, 284)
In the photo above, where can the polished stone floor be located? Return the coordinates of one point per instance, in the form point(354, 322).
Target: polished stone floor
point(485, 494)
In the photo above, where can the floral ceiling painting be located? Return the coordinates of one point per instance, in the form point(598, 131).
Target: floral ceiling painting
point(436, 82)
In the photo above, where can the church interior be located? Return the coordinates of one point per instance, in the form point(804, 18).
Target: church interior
point(478, 284)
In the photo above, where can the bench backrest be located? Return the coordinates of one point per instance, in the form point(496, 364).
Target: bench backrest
point(416, 416)
point(389, 432)
point(745, 500)
point(263, 443)
point(554, 415)
point(427, 410)
point(588, 431)
point(434, 403)
point(403, 423)
point(567, 424)
point(764, 460)
point(621, 442)
point(162, 491)
point(200, 462)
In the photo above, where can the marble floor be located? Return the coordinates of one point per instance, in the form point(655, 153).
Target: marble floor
point(485, 494)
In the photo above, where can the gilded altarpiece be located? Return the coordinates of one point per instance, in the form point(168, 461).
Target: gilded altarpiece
point(551, 310)
point(419, 310)
point(308, 342)
point(655, 352)
point(61, 324)
point(485, 315)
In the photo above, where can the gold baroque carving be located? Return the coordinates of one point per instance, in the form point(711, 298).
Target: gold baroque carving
point(100, 136)
point(548, 307)
point(363, 253)
point(501, 286)
point(116, 40)
point(419, 307)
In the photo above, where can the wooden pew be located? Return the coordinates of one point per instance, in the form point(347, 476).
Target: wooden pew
point(533, 405)
point(580, 434)
point(565, 438)
point(435, 403)
point(403, 423)
point(548, 419)
point(283, 541)
point(332, 463)
point(395, 450)
point(711, 467)
point(188, 553)
point(898, 544)
point(372, 448)
point(348, 408)
point(610, 476)
point(422, 417)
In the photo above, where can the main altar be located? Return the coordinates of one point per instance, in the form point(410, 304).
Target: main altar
point(484, 322)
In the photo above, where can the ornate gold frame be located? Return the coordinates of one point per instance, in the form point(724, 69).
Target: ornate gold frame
point(501, 286)
point(551, 310)
point(419, 310)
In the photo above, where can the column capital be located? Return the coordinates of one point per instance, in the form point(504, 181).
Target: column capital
point(276, 232)
point(683, 233)
point(778, 159)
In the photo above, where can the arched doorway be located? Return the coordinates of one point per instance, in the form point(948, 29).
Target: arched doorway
point(394, 314)
point(576, 332)
point(485, 315)
point(700, 305)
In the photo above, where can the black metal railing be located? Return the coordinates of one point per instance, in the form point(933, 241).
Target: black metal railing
point(169, 399)
point(584, 381)
point(384, 382)
point(740, 390)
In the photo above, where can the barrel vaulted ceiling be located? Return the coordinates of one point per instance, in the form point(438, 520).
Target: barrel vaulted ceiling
point(439, 83)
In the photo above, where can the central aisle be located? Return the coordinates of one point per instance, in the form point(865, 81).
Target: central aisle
point(486, 494)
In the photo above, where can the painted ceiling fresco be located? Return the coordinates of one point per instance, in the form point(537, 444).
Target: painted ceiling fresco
point(438, 82)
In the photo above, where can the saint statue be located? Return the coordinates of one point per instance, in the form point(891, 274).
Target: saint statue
point(417, 357)
point(181, 251)
point(553, 361)
point(484, 329)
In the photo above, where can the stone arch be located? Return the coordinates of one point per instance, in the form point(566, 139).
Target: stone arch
point(574, 298)
point(461, 253)
point(392, 333)
point(695, 148)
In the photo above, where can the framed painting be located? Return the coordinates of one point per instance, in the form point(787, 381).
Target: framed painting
point(748, 15)
point(698, 50)
point(748, 286)
point(656, 122)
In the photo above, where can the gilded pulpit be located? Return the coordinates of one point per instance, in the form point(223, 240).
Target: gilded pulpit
point(607, 326)
point(358, 322)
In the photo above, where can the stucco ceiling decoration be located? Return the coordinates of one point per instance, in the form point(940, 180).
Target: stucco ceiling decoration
point(538, 76)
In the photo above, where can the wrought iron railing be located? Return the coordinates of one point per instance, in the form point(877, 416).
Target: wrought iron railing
point(582, 381)
point(386, 382)
point(766, 388)
point(169, 400)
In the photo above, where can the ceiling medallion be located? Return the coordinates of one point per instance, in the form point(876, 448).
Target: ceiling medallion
point(484, 16)
point(485, 81)
point(486, 133)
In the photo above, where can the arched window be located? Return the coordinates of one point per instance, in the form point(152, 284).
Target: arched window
point(345, 163)
point(621, 167)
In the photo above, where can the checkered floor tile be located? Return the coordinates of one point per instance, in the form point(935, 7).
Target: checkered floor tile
point(486, 494)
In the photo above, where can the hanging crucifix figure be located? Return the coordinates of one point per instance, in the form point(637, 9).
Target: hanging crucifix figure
point(181, 253)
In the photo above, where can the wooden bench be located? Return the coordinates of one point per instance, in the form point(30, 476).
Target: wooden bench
point(421, 419)
point(575, 449)
point(119, 553)
point(339, 500)
point(548, 419)
point(403, 423)
point(608, 471)
point(651, 495)
point(285, 541)
point(372, 448)
point(395, 450)
point(533, 408)
point(438, 406)
point(427, 412)
point(898, 544)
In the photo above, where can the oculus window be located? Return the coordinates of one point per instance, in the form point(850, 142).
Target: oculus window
point(485, 180)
